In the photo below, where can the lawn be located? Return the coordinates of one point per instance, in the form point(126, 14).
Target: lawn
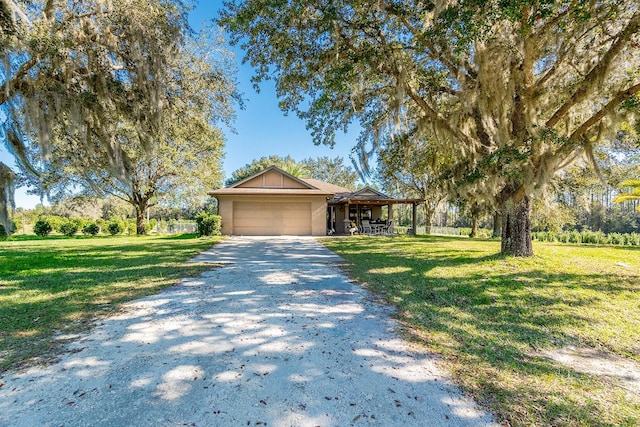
point(54, 285)
point(492, 319)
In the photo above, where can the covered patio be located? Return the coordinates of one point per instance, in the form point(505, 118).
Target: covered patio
point(364, 209)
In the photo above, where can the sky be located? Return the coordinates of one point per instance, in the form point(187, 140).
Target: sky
point(261, 129)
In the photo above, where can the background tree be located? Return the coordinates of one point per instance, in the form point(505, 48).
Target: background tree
point(414, 170)
point(632, 195)
point(322, 168)
point(332, 170)
point(183, 157)
point(520, 88)
point(77, 65)
point(287, 164)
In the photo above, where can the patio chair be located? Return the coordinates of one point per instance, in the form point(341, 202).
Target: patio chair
point(366, 227)
point(389, 228)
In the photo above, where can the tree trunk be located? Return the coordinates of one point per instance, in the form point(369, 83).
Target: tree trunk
point(516, 226)
point(428, 218)
point(497, 224)
point(474, 226)
point(141, 224)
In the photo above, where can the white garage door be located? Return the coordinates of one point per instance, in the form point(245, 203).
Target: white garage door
point(271, 218)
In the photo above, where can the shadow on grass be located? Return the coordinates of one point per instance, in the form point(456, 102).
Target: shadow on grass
point(59, 285)
point(491, 315)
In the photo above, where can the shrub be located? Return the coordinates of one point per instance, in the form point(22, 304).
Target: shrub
point(633, 239)
point(69, 228)
point(115, 227)
point(208, 224)
point(593, 237)
point(3, 233)
point(56, 222)
point(131, 226)
point(616, 239)
point(91, 228)
point(42, 227)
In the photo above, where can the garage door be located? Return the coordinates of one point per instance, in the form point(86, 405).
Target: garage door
point(271, 218)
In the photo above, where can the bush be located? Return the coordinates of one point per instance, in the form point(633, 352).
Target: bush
point(616, 239)
point(115, 226)
point(42, 227)
point(130, 226)
point(3, 233)
point(208, 224)
point(91, 228)
point(69, 228)
point(56, 222)
point(633, 239)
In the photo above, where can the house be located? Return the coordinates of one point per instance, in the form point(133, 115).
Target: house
point(273, 202)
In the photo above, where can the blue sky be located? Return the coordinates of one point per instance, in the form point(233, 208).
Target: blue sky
point(261, 128)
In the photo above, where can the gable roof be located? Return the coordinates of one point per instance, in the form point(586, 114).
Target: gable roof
point(267, 170)
point(301, 187)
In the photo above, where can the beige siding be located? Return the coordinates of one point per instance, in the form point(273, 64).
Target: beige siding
point(272, 179)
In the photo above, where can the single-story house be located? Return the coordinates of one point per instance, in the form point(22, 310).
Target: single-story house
point(273, 202)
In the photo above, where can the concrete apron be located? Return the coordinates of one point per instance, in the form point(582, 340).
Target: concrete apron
point(276, 336)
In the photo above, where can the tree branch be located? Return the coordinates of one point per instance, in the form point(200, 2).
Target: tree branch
point(614, 102)
point(592, 77)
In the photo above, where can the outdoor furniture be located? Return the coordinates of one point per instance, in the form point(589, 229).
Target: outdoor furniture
point(366, 227)
point(378, 227)
point(389, 229)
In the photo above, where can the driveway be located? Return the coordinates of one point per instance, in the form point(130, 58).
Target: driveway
point(274, 336)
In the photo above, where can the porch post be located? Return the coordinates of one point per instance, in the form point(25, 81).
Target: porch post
point(413, 219)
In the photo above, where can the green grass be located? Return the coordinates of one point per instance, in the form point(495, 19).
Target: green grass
point(490, 317)
point(63, 284)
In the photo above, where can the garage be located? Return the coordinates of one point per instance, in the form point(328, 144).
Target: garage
point(271, 218)
point(272, 202)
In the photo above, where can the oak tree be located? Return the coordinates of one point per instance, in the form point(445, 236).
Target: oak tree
point(519, 88)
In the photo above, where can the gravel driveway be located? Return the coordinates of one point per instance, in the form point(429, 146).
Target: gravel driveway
point(276, 336)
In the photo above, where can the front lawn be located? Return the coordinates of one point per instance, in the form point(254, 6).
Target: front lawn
point(62, 284)
point(493, 319)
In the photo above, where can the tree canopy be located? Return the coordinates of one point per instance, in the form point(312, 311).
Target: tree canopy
point(182, 160)
point(518, 90)
point(77, 66)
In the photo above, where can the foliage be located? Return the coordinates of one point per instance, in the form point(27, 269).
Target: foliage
point(287, 164)
point(69, 228)
point(492, 319)
point(208, 224)
point(588, 237)
point(182, 160)
point(516, 90)
point(3, 233)
point(42, 227)
point(91, 228)
point(115, 226)
point(68, 283)
point(71, 70)
point(326, 169)
point(634, 194)
point(413, 166)
point(331, 170)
